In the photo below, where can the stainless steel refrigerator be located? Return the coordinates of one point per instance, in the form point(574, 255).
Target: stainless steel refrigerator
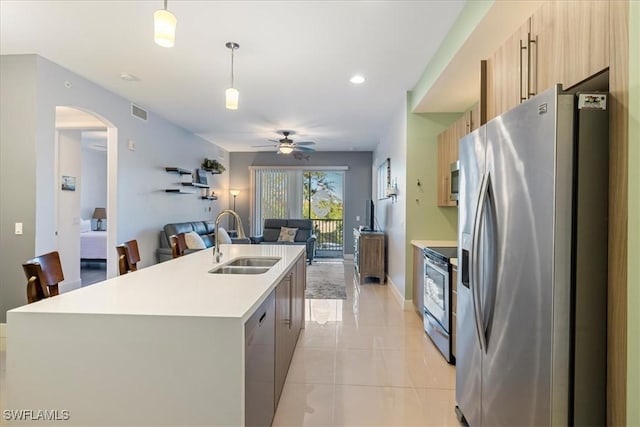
point(532, 246)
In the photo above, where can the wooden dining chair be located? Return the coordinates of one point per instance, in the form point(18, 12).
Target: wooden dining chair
point(178, 245)
point(43, 273)
point(128, 256)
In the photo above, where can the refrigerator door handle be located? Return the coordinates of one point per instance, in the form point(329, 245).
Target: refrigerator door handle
point(490, 285)
point(474, 264)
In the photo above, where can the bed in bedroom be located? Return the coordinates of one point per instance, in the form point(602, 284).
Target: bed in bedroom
point(93, 244)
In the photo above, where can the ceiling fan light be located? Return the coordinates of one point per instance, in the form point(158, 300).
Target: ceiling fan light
point(164, 25)
point(285, 149)
point(232, 96)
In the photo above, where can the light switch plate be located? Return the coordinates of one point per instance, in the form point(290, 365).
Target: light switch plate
point(18, 228)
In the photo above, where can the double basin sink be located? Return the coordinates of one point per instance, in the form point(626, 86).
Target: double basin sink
point(246, 265)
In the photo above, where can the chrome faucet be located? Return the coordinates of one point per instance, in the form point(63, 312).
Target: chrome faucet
point(241, 234)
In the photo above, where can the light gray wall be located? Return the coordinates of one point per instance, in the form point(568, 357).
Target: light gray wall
point(357, 181)
point(31, 88)
point(17, 176)
point(68, 244)
point(93, 184)
point(391, 213)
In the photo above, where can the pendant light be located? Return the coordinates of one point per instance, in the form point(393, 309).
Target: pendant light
point(232, 94)
point(164, 26)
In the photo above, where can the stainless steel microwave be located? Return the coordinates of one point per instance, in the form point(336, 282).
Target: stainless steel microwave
point(455, 174)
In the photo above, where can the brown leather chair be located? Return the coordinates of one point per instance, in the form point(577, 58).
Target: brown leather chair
point(178, 245)
point(128, 256)
point(43, 275)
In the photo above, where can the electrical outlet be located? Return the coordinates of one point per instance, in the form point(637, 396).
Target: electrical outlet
point(18, 228)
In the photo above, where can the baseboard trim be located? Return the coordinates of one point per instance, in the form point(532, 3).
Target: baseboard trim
point(3, 330)
point(406, 305)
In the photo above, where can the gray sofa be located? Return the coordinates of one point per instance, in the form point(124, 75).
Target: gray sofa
point(304, 235)
point(206, 230)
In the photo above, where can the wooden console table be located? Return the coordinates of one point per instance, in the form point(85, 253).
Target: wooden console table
point(368, 255)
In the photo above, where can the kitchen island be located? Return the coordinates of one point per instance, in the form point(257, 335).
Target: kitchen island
point(161, 346)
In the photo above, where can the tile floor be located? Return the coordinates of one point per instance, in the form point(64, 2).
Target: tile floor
point(92, 272)
point(364, 361)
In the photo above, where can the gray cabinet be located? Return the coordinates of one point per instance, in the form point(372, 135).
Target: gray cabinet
point(289, 308)
point(259, 332)
point(271, 335)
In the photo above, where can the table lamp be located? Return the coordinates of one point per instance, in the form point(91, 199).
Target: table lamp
point(99, 214)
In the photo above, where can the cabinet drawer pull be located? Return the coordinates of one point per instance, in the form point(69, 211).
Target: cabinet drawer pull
point(262, 317)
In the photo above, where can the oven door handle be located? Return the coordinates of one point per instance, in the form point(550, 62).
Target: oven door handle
point(475, 261)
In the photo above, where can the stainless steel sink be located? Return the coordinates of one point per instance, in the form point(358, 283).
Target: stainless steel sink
point(229, 269)
point(254, 262)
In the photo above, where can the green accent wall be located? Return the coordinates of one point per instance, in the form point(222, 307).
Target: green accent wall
point(424, 219)
point(633, 280)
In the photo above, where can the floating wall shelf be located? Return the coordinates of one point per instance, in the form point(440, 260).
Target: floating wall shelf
point(176, 191)
point(181, 171)
point(195, 184)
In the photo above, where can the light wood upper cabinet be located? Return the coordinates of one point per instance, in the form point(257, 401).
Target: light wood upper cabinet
point(563, 42)
point(507, 73)
point(474, 118)
point(445, 142)
point(448, 147)
point(572, 42)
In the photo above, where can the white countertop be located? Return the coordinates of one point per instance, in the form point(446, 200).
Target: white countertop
point(179, 287)
point(434, 243)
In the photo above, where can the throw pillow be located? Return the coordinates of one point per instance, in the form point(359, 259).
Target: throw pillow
point(287, 234)
point(223, 236)
point(194, 241)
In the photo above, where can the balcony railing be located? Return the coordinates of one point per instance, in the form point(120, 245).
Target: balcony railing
point(330, 236)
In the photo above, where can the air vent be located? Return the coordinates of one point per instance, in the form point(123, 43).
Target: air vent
point(138, 112)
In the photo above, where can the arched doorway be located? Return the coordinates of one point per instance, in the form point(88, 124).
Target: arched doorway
point(85, 163)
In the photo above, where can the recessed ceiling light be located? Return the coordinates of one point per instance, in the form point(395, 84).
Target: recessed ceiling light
point(129, 77)
point(357, 79)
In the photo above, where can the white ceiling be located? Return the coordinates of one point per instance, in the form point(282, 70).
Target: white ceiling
point(292, 68)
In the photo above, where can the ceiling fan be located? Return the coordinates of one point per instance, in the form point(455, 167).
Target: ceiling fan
point(288, 146)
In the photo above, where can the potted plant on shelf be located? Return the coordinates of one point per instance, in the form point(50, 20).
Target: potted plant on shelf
point(212, 166)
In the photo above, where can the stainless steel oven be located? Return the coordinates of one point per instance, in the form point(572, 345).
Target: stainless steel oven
point(437, 297)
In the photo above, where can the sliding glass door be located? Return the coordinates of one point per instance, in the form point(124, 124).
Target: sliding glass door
point(300, 193)
point(323, 203)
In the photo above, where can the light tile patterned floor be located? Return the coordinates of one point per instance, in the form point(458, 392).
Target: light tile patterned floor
point(364, 361)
